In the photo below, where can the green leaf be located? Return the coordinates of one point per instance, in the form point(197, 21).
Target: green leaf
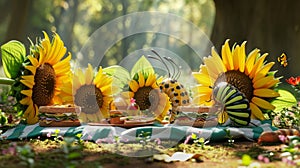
point(13, 55)
point(6, 81)
point(286, 99)
point(142, 65)
point(121, 75)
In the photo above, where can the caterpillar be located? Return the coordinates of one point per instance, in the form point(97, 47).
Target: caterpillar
point(273, 136)
point(177, 93)
point(232, 102)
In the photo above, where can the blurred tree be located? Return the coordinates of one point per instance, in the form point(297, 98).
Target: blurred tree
point(17, 23)
point(273, 26)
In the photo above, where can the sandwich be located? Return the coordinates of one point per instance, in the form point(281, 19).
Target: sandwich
point(59, 116)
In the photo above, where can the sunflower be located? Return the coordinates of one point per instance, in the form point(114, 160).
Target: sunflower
point(248, 73)
point(46, 69)
point(145, 90)
point(93, 93)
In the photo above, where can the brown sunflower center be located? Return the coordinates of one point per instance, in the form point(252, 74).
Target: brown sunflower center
point(147, 97)
point(239, 80)
point(44, 87)
point(89, 98)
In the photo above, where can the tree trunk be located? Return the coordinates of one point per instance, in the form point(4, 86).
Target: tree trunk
point(17, 24)
point(273, 26)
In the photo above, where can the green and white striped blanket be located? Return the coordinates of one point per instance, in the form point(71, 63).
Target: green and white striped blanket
point(171, 132)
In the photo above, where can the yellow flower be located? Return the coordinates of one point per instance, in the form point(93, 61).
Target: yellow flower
point(248, 73)
point(145, 90)
point(47, 71)
point(93, 93)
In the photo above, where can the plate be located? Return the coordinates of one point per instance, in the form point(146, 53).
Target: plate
point(121, 125)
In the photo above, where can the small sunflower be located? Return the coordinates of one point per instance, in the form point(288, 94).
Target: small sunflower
point(249, 74)
point(93, 93)
point(46, 69)
point(145, 90)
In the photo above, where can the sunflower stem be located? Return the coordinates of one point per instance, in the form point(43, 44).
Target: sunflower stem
point(6, 81)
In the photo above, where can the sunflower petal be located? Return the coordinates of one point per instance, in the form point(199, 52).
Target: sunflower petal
point(28, 81)
point(263, 71)
point(211, 67)
point(256, 112)
point(89, 74)
point(236, 57)
point(141, 79)
point(262, 82)
point(262, 103)
point(134, 86)
point(227, 56)
point(250, 61)
point(218, 61)
point(242, 57)
point(265, 93)
point(26, 101)
point(33, 61)
point(150, 80)
point(258, 65)
point(27, 92)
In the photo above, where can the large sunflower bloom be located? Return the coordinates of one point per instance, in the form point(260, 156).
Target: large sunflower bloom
point(248, 73)
point(145, 90)
point(47, 69)
point(93, 93)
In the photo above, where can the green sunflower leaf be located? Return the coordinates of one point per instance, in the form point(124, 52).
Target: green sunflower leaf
point(121, 74)
point(286, 99)
point(142, 65)
point(13, 55)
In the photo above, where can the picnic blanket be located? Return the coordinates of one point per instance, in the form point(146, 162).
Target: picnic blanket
point(169, 132)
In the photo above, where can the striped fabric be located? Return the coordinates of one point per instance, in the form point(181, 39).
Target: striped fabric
point(106, 133)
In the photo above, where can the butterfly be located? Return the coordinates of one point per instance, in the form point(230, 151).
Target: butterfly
point(282, 59)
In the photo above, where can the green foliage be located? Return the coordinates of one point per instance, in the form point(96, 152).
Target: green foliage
point(229, 136)
point(142, 65)
point(13, 55)
point(286, 99)
point(26, 154)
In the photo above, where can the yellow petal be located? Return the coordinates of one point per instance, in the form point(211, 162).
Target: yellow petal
point(242, 57)
point(218, 61)
point(134, 86)
point(201, 89)
point(271, 83)
point(258, 64)
point(106, 90)
point(263, 71)
point(28, 81)
point(203, 79)
point(256, 112)
point(26, 101)
point(32, 69)
point(227, 56)
point(263, 82)
point(250, 61)
point(262, 103)
point(236, 57)
point(150, 80)
point(89, 74)
point(33, 61)
point(265, 93)
point(27, 92)
point(141, 79)
point(63, 63)
point(213, 72)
